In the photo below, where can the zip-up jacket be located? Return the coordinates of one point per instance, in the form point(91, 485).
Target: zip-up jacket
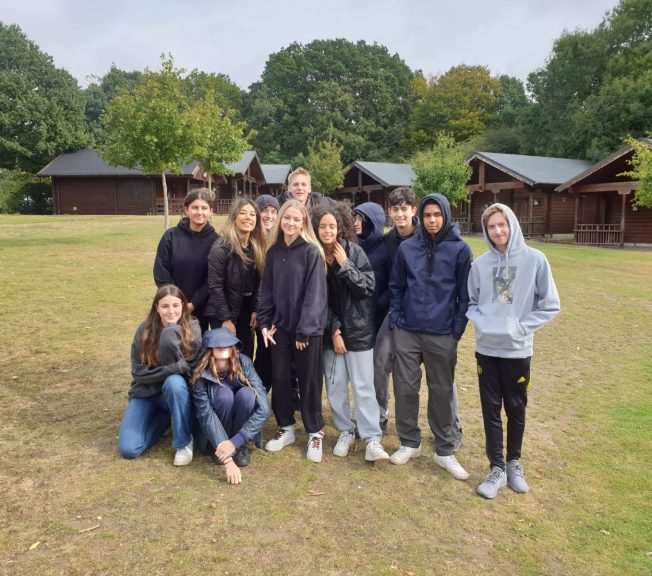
point(293, 294)
point(428, 285)
point(350, 304)
point(393, 239)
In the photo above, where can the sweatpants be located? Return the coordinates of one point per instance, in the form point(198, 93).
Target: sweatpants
point(503, 381)
point(439, 356)
point(308, 365)
point(357, 368)
point(383, 360)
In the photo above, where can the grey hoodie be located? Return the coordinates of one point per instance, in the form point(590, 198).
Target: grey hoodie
point(511, 295)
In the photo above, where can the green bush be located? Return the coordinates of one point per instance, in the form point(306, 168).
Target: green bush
point(24, 193)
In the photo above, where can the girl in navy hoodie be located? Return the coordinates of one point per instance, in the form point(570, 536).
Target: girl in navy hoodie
point(292, 316)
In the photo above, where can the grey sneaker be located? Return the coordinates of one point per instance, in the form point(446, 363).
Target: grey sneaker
point(515, 479)
point(451, 464)
point(184, 455)
point(403, 454)
point(375, 452)
point(284, 437)
point(496, 479)
point(343, 444)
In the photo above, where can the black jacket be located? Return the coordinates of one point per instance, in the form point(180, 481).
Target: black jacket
point(350, 302)
point(226, 283)
point(314, 198)
point(393, 239)
point(181, 259)
point(293, 294)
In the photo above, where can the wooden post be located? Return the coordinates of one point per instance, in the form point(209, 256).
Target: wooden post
point(622, 218)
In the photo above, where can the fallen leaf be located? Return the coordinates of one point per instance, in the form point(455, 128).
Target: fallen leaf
point(34, 545)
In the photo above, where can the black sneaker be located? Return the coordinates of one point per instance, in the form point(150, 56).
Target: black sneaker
point(242, 456)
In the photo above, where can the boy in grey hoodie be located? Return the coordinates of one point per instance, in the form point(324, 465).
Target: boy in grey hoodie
point(511, 294)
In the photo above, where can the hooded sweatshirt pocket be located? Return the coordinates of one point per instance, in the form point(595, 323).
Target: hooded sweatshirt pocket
point(499, 332)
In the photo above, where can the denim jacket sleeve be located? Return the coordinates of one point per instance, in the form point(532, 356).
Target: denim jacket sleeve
point(208, 420)
point(255, 424)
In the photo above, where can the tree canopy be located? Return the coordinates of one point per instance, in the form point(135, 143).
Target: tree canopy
point(641, 164)
point(324, 162)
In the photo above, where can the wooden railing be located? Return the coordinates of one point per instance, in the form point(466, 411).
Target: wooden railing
point(464, 225)
point(599, 234)
point(535, 226)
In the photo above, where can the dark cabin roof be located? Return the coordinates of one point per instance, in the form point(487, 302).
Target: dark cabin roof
point(533, 170)
point(88, 162)
point(249, 161)
point(388, 174)
point(276, 173)
point(615, 157)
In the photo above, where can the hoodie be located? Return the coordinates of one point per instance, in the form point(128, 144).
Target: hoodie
point(373, 244)
point(511, 294)
point(428, 284)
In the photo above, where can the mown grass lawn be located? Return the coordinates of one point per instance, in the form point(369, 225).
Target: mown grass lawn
point(74, 290)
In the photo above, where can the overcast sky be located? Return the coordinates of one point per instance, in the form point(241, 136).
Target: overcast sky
point(235, 37)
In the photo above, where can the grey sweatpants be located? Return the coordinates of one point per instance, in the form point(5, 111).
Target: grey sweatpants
point(439, 356)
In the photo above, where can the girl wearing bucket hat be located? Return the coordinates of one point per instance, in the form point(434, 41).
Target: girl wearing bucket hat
point(230, 401)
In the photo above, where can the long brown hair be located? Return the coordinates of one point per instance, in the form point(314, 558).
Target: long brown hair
point(208, 362)
point(149, 343)
point(231, 236)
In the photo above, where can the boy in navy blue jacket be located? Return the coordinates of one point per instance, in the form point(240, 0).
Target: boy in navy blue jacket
point(427, 314)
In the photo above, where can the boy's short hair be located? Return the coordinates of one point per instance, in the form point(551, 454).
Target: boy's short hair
point(489, 212)
point(403, 195)
point(300, 171)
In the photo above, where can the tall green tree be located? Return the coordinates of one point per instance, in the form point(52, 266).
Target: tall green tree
point(225, 94)
point(41, 106)
point(153, 126)
point(442, 169)
point(358, 91)
point(324, 162)
point(641, 164)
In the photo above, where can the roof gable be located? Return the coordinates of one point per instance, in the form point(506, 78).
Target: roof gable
point(276, 173)
point(389, 174)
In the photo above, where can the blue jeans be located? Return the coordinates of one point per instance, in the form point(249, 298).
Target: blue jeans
point(146, 419)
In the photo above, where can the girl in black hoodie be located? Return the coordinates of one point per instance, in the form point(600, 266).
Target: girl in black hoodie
point(292, 316)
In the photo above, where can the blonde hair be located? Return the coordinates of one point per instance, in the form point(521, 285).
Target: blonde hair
point(300, 171)
point(489, 212)
point(208, 362)
point(232, 237)
point(306, 232)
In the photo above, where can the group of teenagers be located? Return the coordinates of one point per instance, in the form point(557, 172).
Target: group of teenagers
point(321, 293)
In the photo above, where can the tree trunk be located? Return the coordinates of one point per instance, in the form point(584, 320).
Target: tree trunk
point(166, 207)
point(210, 181)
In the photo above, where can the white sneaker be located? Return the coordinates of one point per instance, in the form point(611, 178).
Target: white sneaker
point(315, 442)
point(284, 437)
point(451, 464)
point(403, 454)
point(183, 455)
point(343, 444)
point(375, 452)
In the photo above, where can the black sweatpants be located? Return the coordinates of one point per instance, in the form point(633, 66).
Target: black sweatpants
point(309, 370)
point(503, 381)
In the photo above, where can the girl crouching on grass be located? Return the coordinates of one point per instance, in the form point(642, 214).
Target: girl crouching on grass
point(292, 315)
point(164, 345)
point(230, 400)
point(348, 344)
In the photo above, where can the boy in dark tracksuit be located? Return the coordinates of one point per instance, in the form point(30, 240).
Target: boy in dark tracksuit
point(511, 294)
point(427, 314)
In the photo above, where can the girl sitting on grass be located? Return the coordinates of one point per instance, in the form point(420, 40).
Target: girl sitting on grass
point(230, 400)
point(164, 345)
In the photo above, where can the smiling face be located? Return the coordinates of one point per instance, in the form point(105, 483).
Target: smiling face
point(433, 219)
point(268, 217)
point(245, 219)
point(402, 215)
point(498, 230)
point(327, 230)
point(291, 224)
point(299, 187)
point(198, 213)
point(169, 308)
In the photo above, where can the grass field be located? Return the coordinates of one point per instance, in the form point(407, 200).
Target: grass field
point(75, 289)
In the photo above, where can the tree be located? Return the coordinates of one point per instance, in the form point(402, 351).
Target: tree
point(226, 94)
point(153, 126)
point(41, 106)
point(324, 162)
point(442, 169)
point(358, 91)
point(641, 164)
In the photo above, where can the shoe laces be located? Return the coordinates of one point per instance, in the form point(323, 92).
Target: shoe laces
point(281, 432)
point(315, 441)
point(516, 469)
point(495, 475)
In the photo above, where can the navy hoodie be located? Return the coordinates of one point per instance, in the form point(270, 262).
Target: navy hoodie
point(373, 243)
point(182, 260)
point(428, 284)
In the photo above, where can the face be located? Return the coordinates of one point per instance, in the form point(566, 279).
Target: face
point(221, 353)
point(169, 308)
point(299, 188)
point(198, 212)
point(268, 217)
point(498, 230)
point(291, 224)
point(245, 219)
point(357, 224)
point(327, 230)
point(433, 219)
point(402, 215)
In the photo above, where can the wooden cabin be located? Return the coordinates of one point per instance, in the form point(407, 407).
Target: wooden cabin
point(276, 179)
point(604, 213)
point(527, 184)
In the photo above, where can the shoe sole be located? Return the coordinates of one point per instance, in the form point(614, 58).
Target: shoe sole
point(378, 459)
point(281, 447)
point(453, 474)
point(176, 463)
point(518, 491)
point(341, 454)
point(313, 459)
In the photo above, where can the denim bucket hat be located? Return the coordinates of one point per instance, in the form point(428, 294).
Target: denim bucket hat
point(220, 338)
